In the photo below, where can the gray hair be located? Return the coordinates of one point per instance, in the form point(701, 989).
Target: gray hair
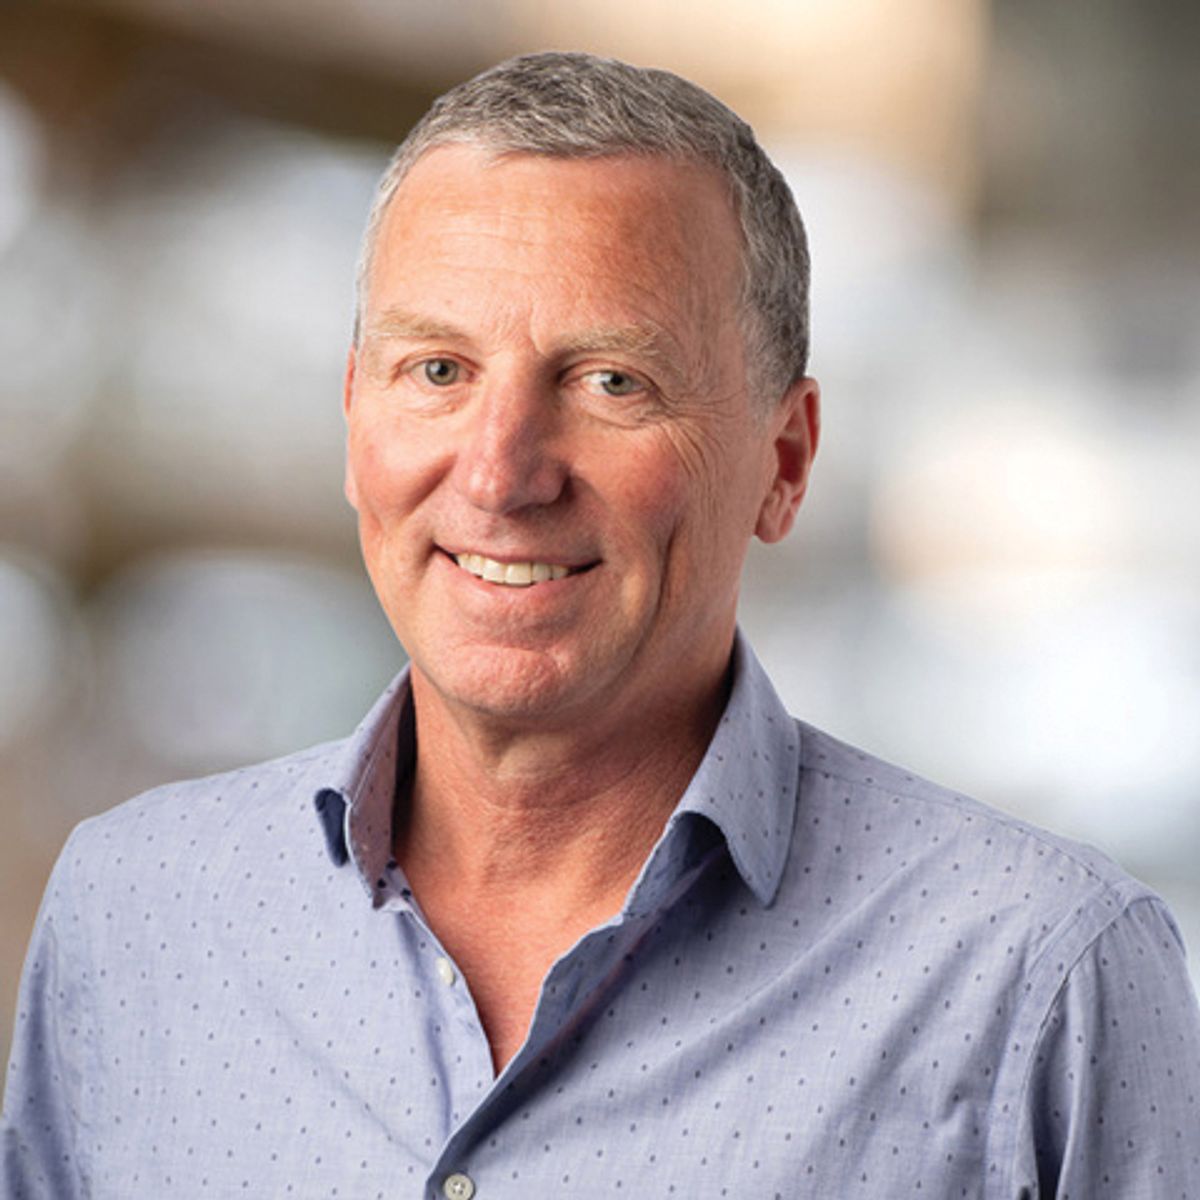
point(568, 105)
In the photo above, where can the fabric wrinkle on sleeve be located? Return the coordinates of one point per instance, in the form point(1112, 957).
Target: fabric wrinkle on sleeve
point(39, 1143)
point(1112, 1106)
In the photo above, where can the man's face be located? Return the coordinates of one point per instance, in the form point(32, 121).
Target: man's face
point(554, 456)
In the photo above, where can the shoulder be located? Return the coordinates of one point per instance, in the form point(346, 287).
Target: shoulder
point(205, 818)
point(953, 875)
point(941, 827)
point(1066, 972)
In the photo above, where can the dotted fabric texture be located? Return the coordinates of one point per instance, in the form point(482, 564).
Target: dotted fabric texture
point(831, 979)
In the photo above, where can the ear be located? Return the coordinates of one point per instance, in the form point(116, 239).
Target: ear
point(348, 379)
point(350, 487)
point(796, 429)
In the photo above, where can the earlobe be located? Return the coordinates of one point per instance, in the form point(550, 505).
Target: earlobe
point(797, 426)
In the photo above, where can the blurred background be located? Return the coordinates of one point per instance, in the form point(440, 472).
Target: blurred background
point(995, 579)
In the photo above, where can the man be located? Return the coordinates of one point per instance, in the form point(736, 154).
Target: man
point(580, 909)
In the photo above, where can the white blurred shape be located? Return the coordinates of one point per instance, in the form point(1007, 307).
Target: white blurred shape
point(38, 646)
point(890, 259)
point(241, 257)
point(53, 356)
point(213, 659)
point(1161, 468)
point(20, 163)
point(1023, 650)
point(1007, 507)
point(1082, 715)
point(258, 230)
point(50, 340)
point(1119, 684)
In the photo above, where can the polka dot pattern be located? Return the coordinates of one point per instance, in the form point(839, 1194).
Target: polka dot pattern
point(830, 979)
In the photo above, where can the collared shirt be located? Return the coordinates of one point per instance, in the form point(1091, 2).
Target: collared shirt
point(831, 979)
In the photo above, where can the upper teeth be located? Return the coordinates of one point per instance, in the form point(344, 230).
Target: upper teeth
point(515, 574)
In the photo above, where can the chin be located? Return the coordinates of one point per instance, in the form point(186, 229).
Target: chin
point(508, 683)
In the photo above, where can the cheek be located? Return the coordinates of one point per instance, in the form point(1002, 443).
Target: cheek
point(365, 454)
point(709, 490)
point(387, 471)
point(650, 493)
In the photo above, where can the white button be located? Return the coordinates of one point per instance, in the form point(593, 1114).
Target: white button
point(446, 974)
point(458, 1186)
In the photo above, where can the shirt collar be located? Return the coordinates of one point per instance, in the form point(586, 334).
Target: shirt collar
point(356, 803)
point(745, 786)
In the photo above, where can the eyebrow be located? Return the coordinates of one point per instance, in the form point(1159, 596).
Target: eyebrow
point(642, 341)
point(628, 339)
point(398, 323)
point(646, 343)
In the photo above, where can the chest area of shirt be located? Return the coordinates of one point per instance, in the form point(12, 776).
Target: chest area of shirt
point(719, 1045)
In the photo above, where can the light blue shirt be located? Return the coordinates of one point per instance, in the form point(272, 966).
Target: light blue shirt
point(831, 979)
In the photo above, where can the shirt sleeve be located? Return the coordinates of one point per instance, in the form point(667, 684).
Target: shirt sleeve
point(38, 1127)
point(1113, 1100)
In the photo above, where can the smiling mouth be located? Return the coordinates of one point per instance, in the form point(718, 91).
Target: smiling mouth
point(513, 574)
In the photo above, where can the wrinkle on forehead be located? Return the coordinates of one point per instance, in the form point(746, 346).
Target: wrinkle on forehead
point(655, 204)
point(634, 259)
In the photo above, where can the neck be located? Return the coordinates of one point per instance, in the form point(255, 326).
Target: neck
point(568, 813)
point(517, 843)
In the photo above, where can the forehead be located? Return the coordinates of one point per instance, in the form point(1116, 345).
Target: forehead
point(622, 181)
point(652, 223)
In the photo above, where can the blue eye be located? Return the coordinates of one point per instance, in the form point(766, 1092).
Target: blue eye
point(441, 372)
point(616, 383)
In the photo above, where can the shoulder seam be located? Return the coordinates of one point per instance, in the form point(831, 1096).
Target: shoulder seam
point(1048, 1007)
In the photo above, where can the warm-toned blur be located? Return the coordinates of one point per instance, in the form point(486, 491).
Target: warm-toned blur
point(994, 579)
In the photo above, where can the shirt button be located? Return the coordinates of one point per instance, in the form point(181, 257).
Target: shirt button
point(458, 1186)
point(446, 974)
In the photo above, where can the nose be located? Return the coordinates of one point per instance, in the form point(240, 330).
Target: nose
point(511, 458)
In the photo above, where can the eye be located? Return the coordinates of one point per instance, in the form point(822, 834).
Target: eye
point(441, 372)
point(614, 383)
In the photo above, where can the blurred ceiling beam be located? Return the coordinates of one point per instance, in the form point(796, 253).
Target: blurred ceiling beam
point(894, 81)
point(101, 80)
